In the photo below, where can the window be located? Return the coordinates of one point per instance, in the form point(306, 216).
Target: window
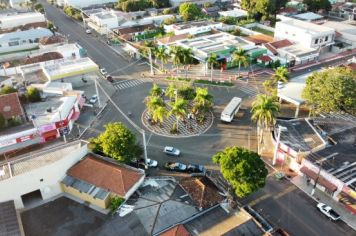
point(14, 43)
point(316, 41)
point(326, 38)
point(24, 41)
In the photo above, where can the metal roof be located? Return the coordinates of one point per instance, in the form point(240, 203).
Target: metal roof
point(25, 35)
point(9, 225)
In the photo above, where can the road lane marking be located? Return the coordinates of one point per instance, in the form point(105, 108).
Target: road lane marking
point(260, 199)
point(284, 192)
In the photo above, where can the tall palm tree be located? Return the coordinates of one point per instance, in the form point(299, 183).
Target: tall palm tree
point(203, 98)
point(212, 60)
point(159, 114)
point(152, 102)
point(171, 91)
point(239, 56)
point(176, 54)
point(264, 112)
point(187, 58)
point(281, 74)
point(161, 55)
point(179, 110)
point(156, 91)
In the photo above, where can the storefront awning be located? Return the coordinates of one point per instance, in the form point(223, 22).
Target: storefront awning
point(321, 181)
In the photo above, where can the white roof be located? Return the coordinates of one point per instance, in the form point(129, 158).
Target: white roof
point(344, 28)
point(310, 27)
point(234, 13)
point(309, 16)
point(20, 16)
point(25, 35)
point(292, 91)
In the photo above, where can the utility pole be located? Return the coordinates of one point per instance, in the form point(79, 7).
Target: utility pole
point(280, 129)
point(97, 91)
point(150, 59)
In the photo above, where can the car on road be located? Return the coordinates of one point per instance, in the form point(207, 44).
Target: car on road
point(150, 162)
point(193, 168)
point(328, 211)
point(88, 31)
point(93, 99)
point(176, 166)
point(103, 71)
point(109, 78)
point(171, 151)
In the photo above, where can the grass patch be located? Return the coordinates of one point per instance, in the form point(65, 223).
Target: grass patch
point(178, 79)
point(262, 31)
point(208, 82)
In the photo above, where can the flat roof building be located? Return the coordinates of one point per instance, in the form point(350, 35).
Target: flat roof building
point(236, 13)
point(194, 27)
point(14, 20)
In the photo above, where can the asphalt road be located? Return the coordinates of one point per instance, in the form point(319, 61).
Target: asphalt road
point(280, 202)
point(285, 206)
point(97, 50)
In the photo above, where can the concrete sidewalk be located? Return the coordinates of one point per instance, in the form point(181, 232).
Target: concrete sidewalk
point(319, 196)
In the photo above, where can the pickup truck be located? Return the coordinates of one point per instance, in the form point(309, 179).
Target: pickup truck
point(328, 211)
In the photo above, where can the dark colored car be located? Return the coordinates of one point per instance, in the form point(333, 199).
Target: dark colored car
point(176, 166)
point(193, 168)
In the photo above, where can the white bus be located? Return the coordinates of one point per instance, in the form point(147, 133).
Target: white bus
point(231, 109)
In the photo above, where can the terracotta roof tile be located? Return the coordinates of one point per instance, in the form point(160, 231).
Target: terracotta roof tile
point(265, 58)
point(10, 105)
point(260, 38)
point(134, 29)
point(202, 190)
point(178, 230)
point(44, 57)
point(173, 38)
point(52, 39)
point(104, 174)
point(277, 44)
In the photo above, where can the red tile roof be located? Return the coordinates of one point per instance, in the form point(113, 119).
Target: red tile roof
point(10, 105)
point(202, 190)
point(277, 44)
point(352, 66)
point(52, 39)
point(178, 230)
point(44, 57)
point(265, 58)
point(105, 174)
point(173, 38)
point(260, 38)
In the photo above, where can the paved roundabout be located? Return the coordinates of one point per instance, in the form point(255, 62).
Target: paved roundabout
point(187, 128)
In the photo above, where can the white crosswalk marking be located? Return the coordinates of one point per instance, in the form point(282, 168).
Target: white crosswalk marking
point(129, 83)
point(249, 91)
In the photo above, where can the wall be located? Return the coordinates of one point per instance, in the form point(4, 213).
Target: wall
point(86, 197)
point(52, 174)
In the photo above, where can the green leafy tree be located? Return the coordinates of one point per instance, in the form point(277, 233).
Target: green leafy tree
point(281, 74)
point(33, 94)
point(212, 60)
point(176, 53)
point(161, 55)
point(179, 110)
point(159, 114)
point(332, 90)
point(171, 91)
point(7, 89)
point(2, 122)
point(51, 26)
point(264, 112)
point(156, 91)
point(243, 169)
point(153, 102)
point(239, 57)
point(187, 59)
point(203, 98)
point(262, 8)
point(39, 7)
point(189, 11)
point(316, 5)
point(117, 142)
point(186, 92)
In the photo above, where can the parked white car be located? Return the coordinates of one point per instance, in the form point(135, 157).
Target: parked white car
point(103, 71)
point(171, 151)
point(328, 211)
point(88, 31)
point(93, 99)
point(152, 163)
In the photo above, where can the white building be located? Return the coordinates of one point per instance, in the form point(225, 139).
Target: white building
point(176, 3)
point(22, 40)
point(17, 3)
point(345, 33)
point(193, 27)
point(307, 34)
point(236, 13)
point(81, 3)
point(39, 172)
point(12, 20)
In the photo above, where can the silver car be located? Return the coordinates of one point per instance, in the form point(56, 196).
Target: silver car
point(171, 151)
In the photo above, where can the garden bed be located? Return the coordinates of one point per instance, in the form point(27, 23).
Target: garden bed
point(218, 83)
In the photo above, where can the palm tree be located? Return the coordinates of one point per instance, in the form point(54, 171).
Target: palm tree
point(212, 60)
point(156, 91)
point(162, 56)
point(159, 114)
point(187, 58)
point(240, 57)
point(179, 110)
point(171, 91)
point(264, 112)
point(176, 54)
point(152, 102)
point(203, 98)
point(281, 74)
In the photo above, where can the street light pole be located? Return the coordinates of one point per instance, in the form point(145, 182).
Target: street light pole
point(150, 59)
point(280, 129)
point(97, 91)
